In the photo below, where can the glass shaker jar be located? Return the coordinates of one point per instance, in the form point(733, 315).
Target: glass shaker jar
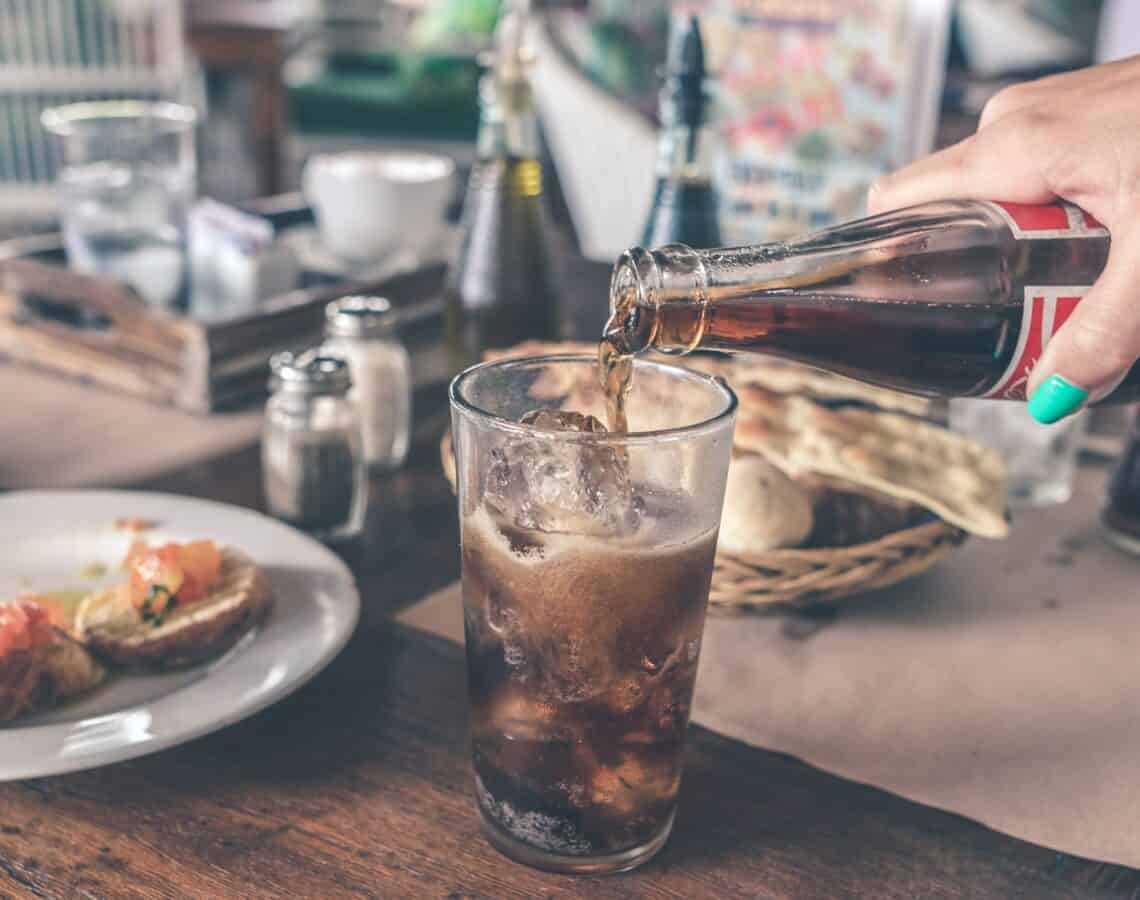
point(362, 331)
point(311, 458)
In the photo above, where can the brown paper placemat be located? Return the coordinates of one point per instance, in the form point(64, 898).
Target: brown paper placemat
point(58, 433)
point(1001, 686)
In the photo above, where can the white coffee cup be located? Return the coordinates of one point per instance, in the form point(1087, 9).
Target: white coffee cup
point(370, 205)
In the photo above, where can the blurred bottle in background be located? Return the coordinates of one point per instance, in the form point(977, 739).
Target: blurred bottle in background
point(501, 289)
point(1121, 516)
point(685, 206)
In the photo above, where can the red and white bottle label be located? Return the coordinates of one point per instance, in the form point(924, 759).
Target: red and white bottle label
point(1054, 220)
point(1046, 309)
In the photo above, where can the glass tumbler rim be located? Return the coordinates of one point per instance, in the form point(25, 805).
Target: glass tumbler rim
point(704, 426)
point(70, 119)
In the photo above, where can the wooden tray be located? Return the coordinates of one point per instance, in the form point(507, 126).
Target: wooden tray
point(98, 330)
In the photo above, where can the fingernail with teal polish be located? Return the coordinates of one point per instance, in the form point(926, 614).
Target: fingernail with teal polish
point(1055, 399)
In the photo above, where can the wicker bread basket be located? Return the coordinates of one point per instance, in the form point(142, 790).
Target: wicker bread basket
point(826, 574)
point(811, 576)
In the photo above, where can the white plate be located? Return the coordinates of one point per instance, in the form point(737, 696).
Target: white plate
point(48, 538)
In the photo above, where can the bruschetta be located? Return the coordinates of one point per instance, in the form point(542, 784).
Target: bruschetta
point(182, 604)
point(40, 664)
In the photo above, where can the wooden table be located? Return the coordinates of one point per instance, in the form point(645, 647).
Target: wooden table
point(250, 36)
point(358, 784)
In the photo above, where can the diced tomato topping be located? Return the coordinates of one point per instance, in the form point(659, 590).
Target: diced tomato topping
point(135, 552)
point(172, 573)
point(56, 611)
point(191, 590)
point(24, 625)
point(156, 576)
point(201, 562)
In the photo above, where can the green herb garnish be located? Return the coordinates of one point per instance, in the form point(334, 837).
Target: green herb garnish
point(152, 596)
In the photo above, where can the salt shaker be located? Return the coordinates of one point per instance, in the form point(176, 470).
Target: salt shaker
point(361, 330)
point(311, 447)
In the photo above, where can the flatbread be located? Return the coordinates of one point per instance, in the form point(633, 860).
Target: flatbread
point(793, 378)
point(959, 480)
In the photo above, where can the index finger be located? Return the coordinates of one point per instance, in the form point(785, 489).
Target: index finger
point(1001, 162)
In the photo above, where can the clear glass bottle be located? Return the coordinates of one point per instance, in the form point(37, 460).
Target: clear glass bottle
point(312, 466)
point(956, 298)
point(362, 331)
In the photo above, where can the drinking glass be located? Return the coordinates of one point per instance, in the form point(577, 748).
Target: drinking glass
point(125, 188)
point(587, 559)
point(1041, 459)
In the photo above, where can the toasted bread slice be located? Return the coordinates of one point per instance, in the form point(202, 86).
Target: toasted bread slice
point(39, 678)
point(114, 629)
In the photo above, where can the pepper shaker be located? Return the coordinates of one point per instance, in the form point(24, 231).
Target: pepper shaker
point(361, 330)
point(311, 458)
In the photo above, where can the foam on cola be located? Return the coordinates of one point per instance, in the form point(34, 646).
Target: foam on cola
point(584, 598)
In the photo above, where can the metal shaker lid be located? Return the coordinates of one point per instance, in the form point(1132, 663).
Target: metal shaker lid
point(311, 373)
point(359, 316)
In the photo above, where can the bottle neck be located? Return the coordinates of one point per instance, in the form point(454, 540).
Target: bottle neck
point(643, 283)
point(507, 147)
point(508, 125)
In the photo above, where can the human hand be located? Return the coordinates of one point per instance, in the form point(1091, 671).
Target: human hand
point(1075, 136)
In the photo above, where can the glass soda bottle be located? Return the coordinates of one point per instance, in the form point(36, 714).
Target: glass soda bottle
point(956, 298)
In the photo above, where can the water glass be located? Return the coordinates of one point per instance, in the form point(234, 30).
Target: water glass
point(1041, 459)
point(126, 184)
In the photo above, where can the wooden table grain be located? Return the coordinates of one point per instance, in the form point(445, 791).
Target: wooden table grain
point(357, 786)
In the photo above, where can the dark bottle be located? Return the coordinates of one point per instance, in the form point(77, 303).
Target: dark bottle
point(953, 299)
point(501, 289)
point(684, 206)
point(1121, 516)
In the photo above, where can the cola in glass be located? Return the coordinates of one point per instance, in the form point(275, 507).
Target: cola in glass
point(582, 656)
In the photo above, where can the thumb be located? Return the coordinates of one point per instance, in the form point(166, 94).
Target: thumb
point(1094, 350)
